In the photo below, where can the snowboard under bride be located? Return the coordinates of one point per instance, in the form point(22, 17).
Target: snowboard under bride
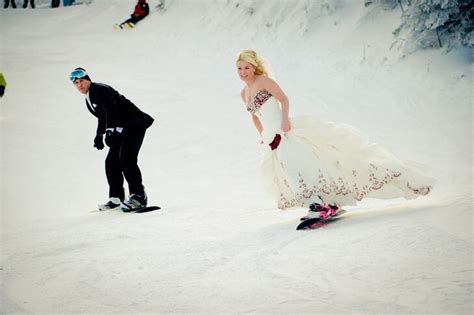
point(319, 165)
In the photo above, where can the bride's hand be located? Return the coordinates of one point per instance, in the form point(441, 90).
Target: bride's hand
point(285, 125)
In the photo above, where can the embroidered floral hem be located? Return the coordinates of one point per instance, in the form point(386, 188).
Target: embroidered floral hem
point(329, 163)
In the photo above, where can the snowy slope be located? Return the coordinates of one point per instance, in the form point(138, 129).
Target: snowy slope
point(220, 245)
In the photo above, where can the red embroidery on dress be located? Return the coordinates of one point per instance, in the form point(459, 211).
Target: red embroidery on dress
point(425, 190)
point(339, 187)
point(260, 98)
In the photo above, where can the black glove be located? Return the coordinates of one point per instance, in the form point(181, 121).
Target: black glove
point(113, 137)
point(99, 142)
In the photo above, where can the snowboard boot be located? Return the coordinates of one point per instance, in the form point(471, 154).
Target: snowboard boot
point(113, 203)
point(333, 210)
point(317, 210)
point(134, 202)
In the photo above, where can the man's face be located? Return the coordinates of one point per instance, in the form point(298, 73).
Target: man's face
point(82, 85)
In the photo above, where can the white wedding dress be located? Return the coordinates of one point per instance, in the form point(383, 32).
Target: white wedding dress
point(329, 163)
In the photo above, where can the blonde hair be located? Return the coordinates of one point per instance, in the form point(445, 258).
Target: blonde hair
point(251, 57)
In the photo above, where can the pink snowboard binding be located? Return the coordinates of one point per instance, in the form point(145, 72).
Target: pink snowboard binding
point(320, 216)
point(323, 211)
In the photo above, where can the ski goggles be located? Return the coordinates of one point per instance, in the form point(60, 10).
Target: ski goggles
point(77, 74)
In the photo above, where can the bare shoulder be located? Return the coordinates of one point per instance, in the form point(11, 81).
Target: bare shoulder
point(261, 80)
point(266, 82)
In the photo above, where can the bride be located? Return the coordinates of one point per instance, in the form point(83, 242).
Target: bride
point(319, 165)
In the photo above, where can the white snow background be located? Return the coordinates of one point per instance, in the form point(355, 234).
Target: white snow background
point(220, 245)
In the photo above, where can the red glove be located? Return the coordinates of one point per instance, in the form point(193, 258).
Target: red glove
point(276, 142)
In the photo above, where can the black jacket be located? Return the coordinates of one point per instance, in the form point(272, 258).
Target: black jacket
point(114, 110)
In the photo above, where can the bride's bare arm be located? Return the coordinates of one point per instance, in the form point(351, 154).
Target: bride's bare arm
point(274, 89)
point(257, 123)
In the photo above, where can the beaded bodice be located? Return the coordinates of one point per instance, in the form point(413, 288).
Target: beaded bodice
point(258, 100)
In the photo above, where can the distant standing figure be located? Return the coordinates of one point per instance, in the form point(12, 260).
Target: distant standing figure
point(124, 126)
point(141, 11)
point(7, 3)
point(3, 84)
point(25, 4)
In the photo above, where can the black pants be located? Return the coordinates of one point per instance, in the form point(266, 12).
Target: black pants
point(133, 19)
point(25, 3)
point(122, 161)
point(7, 3)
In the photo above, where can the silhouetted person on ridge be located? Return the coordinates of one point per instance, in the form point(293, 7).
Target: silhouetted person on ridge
point(25, 4)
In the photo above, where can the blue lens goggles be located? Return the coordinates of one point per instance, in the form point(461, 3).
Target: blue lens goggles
point(77, 74)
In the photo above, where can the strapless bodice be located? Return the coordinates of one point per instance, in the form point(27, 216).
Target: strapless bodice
point(267, 108)
point(258, 100)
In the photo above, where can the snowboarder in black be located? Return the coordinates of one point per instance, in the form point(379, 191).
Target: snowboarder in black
point(124, 127)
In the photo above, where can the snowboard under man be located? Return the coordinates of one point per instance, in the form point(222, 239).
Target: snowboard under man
point(124, 127)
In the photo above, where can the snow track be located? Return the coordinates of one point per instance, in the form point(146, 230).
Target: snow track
point(220, 245)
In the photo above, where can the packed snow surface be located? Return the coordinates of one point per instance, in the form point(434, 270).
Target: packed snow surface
point(220, 245)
